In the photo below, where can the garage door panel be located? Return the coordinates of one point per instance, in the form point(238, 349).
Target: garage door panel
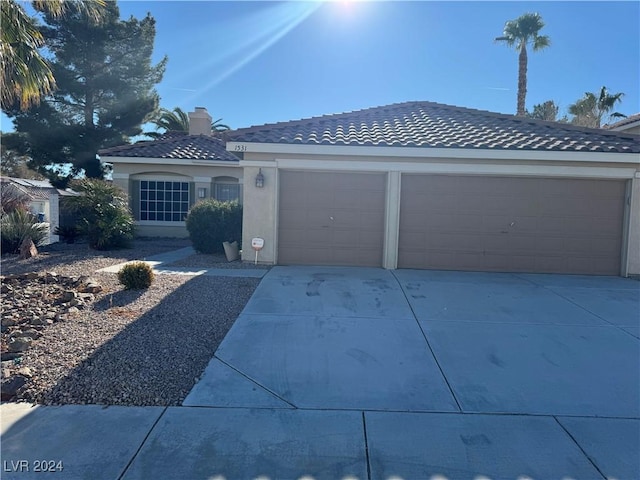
point(331, 218)
point(511, 224)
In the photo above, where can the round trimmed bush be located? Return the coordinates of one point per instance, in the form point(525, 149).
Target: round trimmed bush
point(136, 276)
point(211, 222)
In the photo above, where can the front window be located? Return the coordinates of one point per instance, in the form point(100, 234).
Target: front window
point(227, 192)
point(164, 201)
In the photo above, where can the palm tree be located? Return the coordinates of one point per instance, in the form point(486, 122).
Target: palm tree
point(590, 110)
point(177, 120)
point(518, 33)
point(26, 76)
point(216, 126)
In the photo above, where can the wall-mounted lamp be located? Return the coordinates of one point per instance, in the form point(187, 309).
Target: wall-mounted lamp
point(259, 179)
point(202, 192)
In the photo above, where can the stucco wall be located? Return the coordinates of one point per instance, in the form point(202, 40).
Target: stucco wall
point(259, 214)
point(633, 253)
point(201, 175)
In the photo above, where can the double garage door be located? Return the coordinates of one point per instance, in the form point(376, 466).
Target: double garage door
point(507, 224)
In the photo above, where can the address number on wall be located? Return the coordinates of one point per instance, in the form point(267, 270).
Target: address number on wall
point(240, 148)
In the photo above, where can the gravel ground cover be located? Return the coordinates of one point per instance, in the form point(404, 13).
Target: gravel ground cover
point(128, 347)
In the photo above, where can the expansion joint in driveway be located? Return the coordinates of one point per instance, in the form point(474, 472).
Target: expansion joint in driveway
point(424, 335)
point(256, 383)
point(579, 447)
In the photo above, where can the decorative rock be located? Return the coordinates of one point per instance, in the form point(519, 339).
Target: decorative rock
point(11, 385)
point(5, 356)
point(25, 372)
point(30, 333)
point(28, 249)
point(68, 295)
point(72, 310)
point(19, 344)
point(40, 321)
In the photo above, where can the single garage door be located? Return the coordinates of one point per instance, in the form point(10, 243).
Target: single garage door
point(511, 224)
point(328, 218)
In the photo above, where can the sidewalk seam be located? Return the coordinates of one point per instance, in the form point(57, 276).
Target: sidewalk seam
point(144, 440)
point(366, 446)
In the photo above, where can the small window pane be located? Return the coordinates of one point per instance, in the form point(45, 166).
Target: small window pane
point(152, 185)
point(144, 184)
point(185, 196)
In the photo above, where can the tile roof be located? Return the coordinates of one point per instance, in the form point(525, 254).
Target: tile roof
point(434, 125)
point(630, 119)
point(175, 145)
point(35, 189)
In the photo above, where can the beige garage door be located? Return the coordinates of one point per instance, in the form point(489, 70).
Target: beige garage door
point(331, 218)
point(511, 224)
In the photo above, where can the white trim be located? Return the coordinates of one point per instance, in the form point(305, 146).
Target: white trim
point(120, 176)
point(258, 163)
point(626, 126)
point(637, 175)
point(172, 161)
point(166, 177)
point(461, 168)
point(202, 179)
point(426, 152)
point(154, 223)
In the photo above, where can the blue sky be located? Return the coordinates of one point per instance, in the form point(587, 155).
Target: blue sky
point(257, 62)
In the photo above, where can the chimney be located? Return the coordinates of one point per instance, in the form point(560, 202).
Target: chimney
point(200, 122)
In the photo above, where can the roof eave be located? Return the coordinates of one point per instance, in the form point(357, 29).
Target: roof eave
point(169, 161)
point(425, 152)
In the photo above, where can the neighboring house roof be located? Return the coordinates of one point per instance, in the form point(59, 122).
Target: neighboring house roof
point(175, 145)
point(34, 189)
point(434, 125)
point(626, 123)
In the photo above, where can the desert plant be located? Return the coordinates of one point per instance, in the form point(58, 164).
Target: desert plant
point(18, 226)
point(68, 233)
point(212, 222)
point(103, 213)
point(136, 276)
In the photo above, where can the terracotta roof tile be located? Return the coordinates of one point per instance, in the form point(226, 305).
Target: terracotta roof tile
point(434, 125)
point(175, 145)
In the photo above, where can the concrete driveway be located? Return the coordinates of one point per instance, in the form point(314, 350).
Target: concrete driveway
point(356, 373)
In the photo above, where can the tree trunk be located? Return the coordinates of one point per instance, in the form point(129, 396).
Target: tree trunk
point(522, 80)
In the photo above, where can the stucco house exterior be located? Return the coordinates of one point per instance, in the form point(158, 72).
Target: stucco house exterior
point(44, 200)
point(165, 177)
point(426, 185)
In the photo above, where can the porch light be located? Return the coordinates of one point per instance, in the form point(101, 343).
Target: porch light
point(202, 192)
point(259, 179)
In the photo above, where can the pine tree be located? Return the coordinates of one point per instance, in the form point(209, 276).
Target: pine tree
point(105, 90)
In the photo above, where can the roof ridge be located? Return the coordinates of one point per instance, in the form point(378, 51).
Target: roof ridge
point(427, 103)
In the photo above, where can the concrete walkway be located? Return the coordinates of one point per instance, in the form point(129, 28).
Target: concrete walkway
point(158, 262)
point(348, 373)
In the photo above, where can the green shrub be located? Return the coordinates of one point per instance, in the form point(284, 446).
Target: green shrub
point(18, 225)
point(103, 212)
point(211, 222)
point(68, 233)
point(136, 275)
